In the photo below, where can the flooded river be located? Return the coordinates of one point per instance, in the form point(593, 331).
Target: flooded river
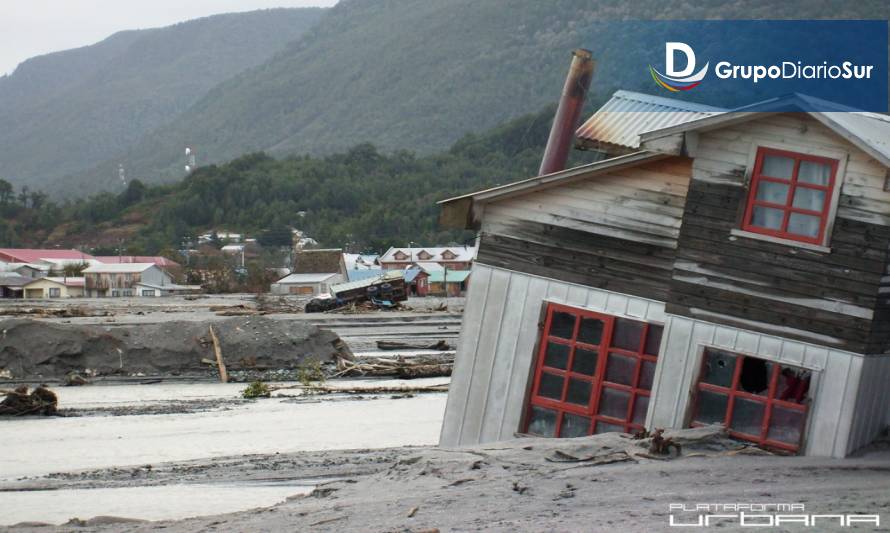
point(47, 445)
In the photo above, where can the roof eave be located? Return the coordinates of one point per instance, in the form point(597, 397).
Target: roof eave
point(463, 211)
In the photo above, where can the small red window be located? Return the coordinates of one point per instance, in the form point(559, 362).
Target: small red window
point(757, 400)
point(593, 374)
point(790, 195)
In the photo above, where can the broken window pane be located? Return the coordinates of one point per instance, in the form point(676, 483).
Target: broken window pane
point(628, 334)
point(719, 368)
point(641, 406)
point(562, 325)
point(747, 416)
point(605, 427)
point(579, 392)
point(785, 425)
point(755, 376)
point(613, 403)
point(574, 426)
point(542, 422)
point(590, 331)
point(647, 375)
point(551, 386)
point(621, 368)
point(793, 385)
point(777, 166)
point(653, 339)
point(584, 362)
point(711, 407)
point(557, 355)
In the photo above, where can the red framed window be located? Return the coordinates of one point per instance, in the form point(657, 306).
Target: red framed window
point(593, 374)
point(790, 195)
point(757, 400)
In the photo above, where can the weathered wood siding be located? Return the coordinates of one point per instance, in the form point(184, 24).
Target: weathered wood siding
point(616, 231)
point(825, 297)
point(835, 388)
point(495, 354)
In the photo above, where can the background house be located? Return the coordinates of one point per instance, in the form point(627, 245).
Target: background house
point(305, 284)
point(313, 273)
point(121, 279)
point(11, 284)
point(448, 283)
point(168, 265)
point(452, 257)
point(54, 287)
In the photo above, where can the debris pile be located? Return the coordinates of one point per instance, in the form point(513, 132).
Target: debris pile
point(422, 366)
point(32, 349)
point(19, 402)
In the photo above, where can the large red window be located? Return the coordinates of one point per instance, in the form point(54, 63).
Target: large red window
point(593, 374)
point(757, 400)
point(790, 195)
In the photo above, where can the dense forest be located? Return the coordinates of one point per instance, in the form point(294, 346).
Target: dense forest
point(361, 198)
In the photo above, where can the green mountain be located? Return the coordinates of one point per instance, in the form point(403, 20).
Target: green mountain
point(418, 74)
point(360, 197)
point(63, 112)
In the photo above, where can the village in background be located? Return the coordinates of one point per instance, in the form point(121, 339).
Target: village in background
point(228, 262)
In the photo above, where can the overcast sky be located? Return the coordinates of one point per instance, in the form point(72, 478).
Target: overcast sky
point(34, 27)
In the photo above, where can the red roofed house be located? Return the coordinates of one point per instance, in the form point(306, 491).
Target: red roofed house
point(33, 255)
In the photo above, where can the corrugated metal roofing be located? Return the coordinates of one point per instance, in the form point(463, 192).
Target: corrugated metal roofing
point(360, 274)
point(869, 131)
point(349, 285)
point(32, 255)
point(306, 278)
point(118, 268)
point(627, 114)
point(454, 276)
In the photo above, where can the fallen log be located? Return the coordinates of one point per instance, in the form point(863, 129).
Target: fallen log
point(327, 389)
point(223, 375)
point(441, 346)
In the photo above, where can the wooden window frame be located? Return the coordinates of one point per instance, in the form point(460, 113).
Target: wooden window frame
point(598, 380)
point(769, 401)
point(787, 209)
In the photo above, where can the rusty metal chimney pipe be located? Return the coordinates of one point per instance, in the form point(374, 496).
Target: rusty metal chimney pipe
point(566, 120)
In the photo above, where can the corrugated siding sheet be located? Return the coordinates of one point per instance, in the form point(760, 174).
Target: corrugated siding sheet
point(495, 355)
point(872, 404)
point(620, 121)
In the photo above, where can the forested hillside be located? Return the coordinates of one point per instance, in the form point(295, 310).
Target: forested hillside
point(418, 74)
point(360, 197)
point(64, 112)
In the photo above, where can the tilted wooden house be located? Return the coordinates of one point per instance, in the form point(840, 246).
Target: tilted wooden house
point(716, 267)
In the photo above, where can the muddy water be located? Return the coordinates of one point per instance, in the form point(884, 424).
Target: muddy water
point(46, 445)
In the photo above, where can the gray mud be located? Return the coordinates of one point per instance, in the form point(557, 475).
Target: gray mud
point(598, 483)
point(31, 349)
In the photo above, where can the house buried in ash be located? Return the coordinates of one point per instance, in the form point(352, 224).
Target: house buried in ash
point(716, 268)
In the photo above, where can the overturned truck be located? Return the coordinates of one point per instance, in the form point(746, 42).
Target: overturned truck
point(383, 291)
